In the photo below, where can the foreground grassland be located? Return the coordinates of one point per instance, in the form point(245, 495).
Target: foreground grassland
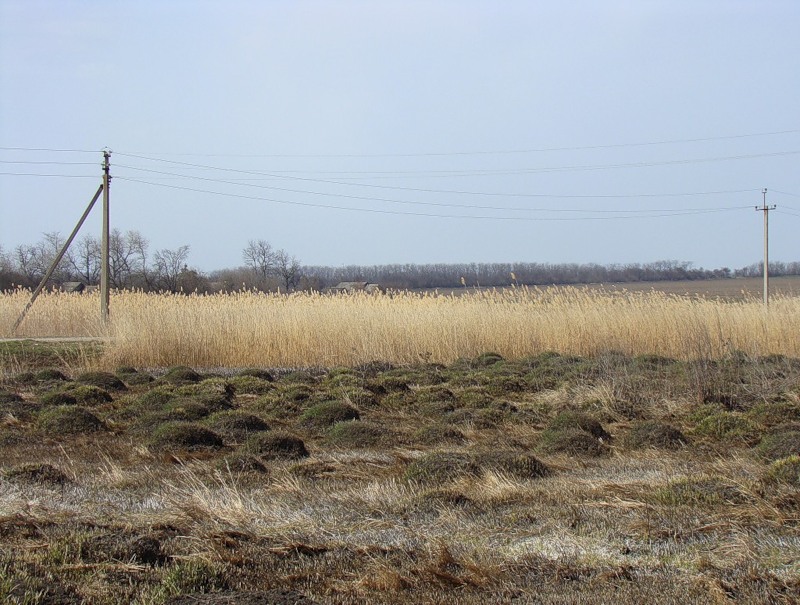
point(300, 330)
point(546, 479)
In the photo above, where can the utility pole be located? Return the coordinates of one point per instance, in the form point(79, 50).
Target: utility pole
point(765, 209)
point(104, 244)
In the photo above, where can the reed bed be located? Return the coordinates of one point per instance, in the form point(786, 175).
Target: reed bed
point(313, 329)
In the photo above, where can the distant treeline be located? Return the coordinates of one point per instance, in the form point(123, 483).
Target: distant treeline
point(133, 266)
point(412, 276)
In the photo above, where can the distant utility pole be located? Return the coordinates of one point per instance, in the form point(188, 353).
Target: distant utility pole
point(104, 244)
point(765, 209)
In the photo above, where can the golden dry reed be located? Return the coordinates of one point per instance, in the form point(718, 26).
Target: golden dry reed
point(310, 329)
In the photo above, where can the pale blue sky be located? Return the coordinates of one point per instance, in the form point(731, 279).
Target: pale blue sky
point(358, 132)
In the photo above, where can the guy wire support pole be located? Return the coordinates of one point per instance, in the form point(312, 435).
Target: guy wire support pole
point(57, 260)
point(765, 209)
point(104, 244)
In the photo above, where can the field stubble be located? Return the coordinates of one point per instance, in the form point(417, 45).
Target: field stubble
point(312, 329)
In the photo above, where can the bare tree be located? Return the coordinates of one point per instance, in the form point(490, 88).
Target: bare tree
point(127, 259)
point(287, 268)
point(260, 257)
point(168, 266)
point(84, 259)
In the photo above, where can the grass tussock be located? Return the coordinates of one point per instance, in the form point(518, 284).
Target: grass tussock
point(625, 480)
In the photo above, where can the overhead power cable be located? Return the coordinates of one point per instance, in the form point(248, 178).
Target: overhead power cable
point(485, 152)
point(50, 149)
point(49, 163)
point(784, 193)
point(410, 202)
point(487, 172)
point(414, 189)
point(63, 176)
point(394, 212)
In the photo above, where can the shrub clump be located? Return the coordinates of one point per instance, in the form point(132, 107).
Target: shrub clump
point(441, 467)
point(654, 434)
point(103, 380)
point(184, 436)
point(275, 446)
point(328, 413)
point(354, 433)
point(69, 420)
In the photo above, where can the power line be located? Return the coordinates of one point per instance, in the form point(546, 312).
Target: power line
point(485, 152)
point(784, 193)
point(417, 203)
point(48, 163)
point(394, 212)
point(481, 172)
point(64, 176)
point(414, 189)
point(50, 149)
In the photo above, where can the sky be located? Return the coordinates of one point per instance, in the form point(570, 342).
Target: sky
point(417, 131)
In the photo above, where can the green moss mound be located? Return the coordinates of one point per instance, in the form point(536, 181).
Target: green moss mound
point(571, 440)
point(54, 398)
point(275, 446)
point(184, 436)
point(579, 420)
point(180, 375)
point(9, 397)
point(438, 434)
point(257, 373)
point(90, 395)
point(45, 474)
point(236, 425)
point(441, 467)
point(781, 443)
point(727, 426)
point(328, 413)
point(250, 385)
point(69, 420)
point(103, 380)
point(357, 434)
point(785, 471)
point(654, 434)
point(518, 465)
point(133, 377)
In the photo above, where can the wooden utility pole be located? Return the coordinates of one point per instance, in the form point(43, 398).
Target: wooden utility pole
point(104, 244)
point(765, 209)
point(56, 261)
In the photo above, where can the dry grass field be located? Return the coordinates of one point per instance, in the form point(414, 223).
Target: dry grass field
point(300, 330)
point(614, 447)
point(549, 479)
